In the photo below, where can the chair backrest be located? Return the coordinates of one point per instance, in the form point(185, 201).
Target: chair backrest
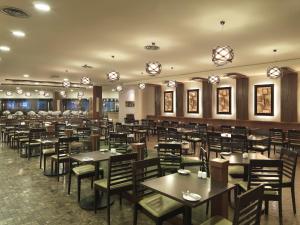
point(62, 147)
point(205, 159)
point(213, 140)
point(161, 134)
point(36, 133)
point(239, 143)
point(120, 170)
point(248, 207)
point(142, 171)
point(226, 129)
point(267, 172)
point(169, 154)
point(118, 141)
point(293, 138)
point(173, 135)
point(276, 134)
point(289, 159)
point(119, 127)
point(84, 132)
point(240, 130)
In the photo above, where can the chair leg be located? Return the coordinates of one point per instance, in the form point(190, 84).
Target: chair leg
point(135, 214)
point(45, 159)
point(120, 199)
point(78, 188)
point(266, 207)
point(92, 182)
point(96, 192)
point(108, 208)
point(69, 182)
point(41, 158)
point(57, 170)
point(293, 198)
point(280, 211)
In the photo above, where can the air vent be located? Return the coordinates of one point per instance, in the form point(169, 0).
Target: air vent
point(15, 12)
point(153, 46)
point(87, 66)
point(54, 76)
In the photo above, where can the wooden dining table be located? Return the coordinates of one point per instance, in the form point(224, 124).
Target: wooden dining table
point(237, 159)
point(94, 157)
point(173, 185)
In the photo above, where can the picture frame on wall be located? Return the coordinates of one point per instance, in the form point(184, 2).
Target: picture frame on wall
point(168, 102)
point(264, 100)
point(224, 100)
point(193, 101)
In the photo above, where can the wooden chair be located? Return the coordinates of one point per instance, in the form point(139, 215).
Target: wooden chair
point(61, 154)
point(267, 173)
point(161, 134)
point(81, 171)
point(34, 135)
point(239, 143)
point(276, 138)
point(173, 135)
point(289, 159)
point(170, 156)
point(214, 143)
point(158, 207)
point(294, 140)
point(240, 130)
point(194, 138)
point(119, 179)
point(226, 129)
point(247, 210)
point(119, 142)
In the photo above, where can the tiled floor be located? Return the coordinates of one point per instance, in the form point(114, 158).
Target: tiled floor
point(30, 198)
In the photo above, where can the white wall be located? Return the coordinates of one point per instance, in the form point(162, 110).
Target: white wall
point(34, 95)
point(228, 82)
point(264, 80)
point(108, 93)
point(163, 89)
point(190, 86)
point(130, 93)
point(148, 101)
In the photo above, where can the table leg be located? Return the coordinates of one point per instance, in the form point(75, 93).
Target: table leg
point(246, 168)
point(187, 217)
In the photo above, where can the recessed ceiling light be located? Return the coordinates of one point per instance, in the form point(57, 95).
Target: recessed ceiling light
point(66, 79)
point(42, 6)
point(26, 75)
point(18, 33)
point(4, 48)
point(36, 90)
point(36, 83)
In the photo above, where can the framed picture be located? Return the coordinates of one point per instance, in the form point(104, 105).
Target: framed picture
point(224, 100)
point(129, 103)
point(264, 100)
point(193, 101)
point(168, 101)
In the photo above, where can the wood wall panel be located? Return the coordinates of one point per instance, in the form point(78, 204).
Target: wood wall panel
point(206, 99)
point(97, 102)
point(289, 85)
point(157, 100)
point(179, 99)
point(242, 93)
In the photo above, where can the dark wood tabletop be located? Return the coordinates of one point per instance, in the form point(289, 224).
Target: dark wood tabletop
point(94, 156)
point(250, 137)
point(173, 185)
point(238, 160)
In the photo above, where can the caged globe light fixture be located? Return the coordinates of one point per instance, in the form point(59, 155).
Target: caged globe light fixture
point(171, 83)
point(274, 72)
point(153, 68)
point(27, 94)
point(63, 93)
point(66, 83)
point(113, 75)
point(42, 93)
point(214, 79)
point(19, 91)
point(46, 94)
point(9, 93)
point(119, 88)
point(85, 80)
point(80, 94)
point(222, 55)
point(142, 86)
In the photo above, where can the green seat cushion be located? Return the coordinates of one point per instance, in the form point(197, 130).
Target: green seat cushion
point(84, 169)
point(61, 157)
point(237, 170)
point(33, 143)
point(24, 139)
point(103, 184)
point(47, 151)
point(159, 205)
point(243, 184)
point(260, 147)
point(234, 180)
point(191, 160)
point(217, 220)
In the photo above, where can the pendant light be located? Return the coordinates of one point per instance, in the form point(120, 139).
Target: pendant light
point(214, 79)
point(85, 80)
point(113, 75)
point(274, 72)
point(142, 86)
point(119, 88)
point(153, 67)
point(171, 83)
point(222, 55)
point(66, 83)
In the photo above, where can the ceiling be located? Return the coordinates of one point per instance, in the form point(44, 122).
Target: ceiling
point(77, 32)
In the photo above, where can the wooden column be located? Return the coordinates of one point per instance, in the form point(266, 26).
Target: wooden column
point(289, 85)
point(97, 102)
point(57, 102)
point(157, 100)
point(242, 93)
point(207, 99)
point(179, 99)
point(219, 176)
